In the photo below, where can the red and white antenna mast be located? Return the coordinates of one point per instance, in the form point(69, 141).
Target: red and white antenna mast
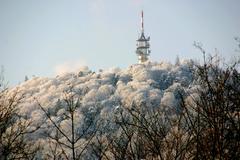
point(142, 22)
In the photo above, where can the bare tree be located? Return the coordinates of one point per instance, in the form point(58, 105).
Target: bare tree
point(14, 129)
point(77, 138)
point(143, 132)
point(213, 116)
point(100, 147)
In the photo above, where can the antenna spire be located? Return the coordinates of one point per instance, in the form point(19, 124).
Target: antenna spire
point(142, 27)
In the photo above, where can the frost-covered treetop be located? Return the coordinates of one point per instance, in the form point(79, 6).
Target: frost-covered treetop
point(151, 83)
point(99, 96)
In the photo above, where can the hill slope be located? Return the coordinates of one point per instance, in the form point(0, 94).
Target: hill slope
point(98, 97)
point(149, 83)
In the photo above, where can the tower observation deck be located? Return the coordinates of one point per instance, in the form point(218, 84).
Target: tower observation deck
point(143, 45)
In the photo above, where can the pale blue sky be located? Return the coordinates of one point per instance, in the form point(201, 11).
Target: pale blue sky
point(41, 37)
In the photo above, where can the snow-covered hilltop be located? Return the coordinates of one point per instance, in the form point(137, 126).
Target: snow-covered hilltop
point(100, 96)
point(153, 84)
point(140, 112)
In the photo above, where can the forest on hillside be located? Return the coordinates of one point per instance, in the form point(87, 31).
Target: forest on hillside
point(186, 110)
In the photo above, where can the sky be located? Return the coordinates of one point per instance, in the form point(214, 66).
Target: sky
point(49, 37)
